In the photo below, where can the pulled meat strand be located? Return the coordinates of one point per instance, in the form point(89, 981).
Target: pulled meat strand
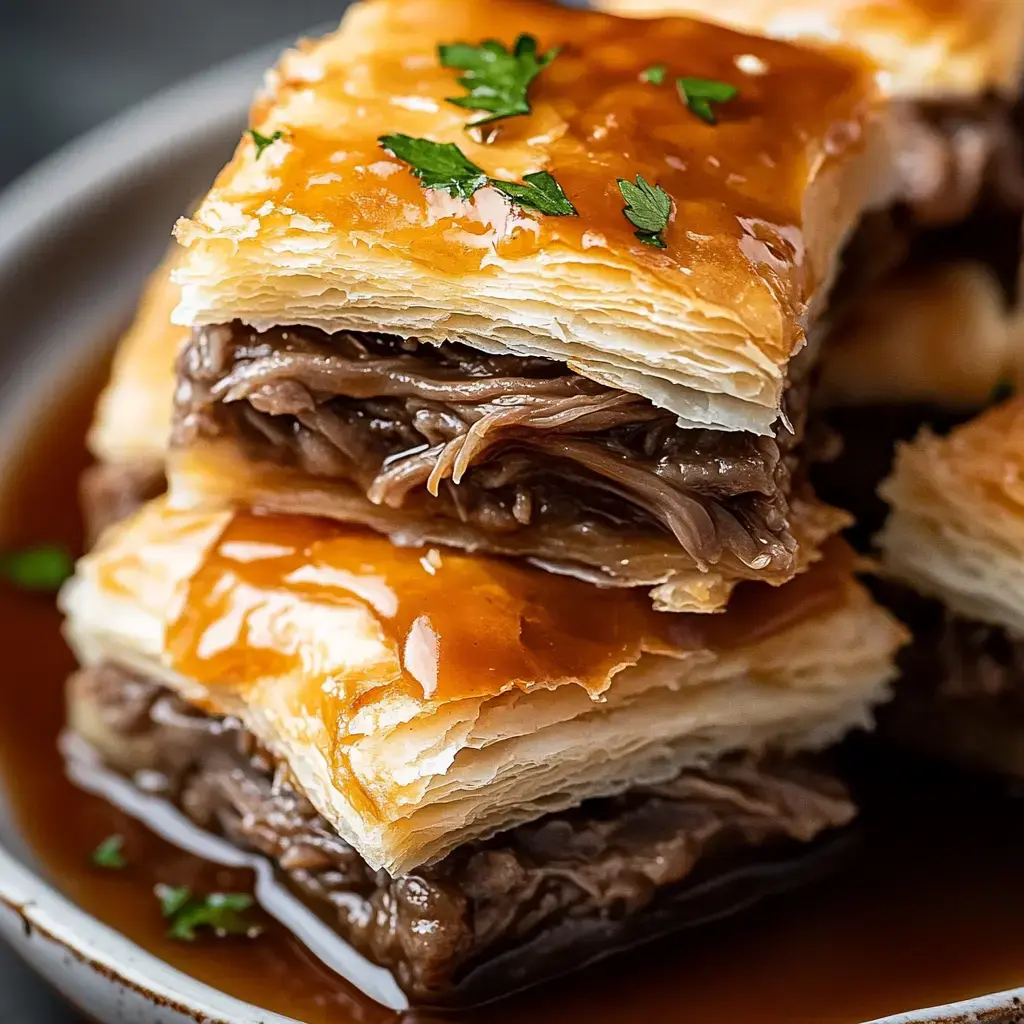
point(690, 521)
point(553, 416)
point(501, 442)
point(324, 375)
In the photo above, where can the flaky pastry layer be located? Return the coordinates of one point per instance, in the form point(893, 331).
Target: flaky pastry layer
point(133, 413)
point(956, 529)
point(927, 49)
point(423, 700)
point(325, 228)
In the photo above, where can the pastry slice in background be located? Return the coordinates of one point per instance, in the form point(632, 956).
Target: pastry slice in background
point(953, 69)
point(953, 542)
point(465, 739)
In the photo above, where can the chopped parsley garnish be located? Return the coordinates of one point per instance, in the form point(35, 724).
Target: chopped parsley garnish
point(221, 912)
point(496, 80)
point(541, 192)
point(172, 898)
point(1001, 391)
point(437, 164)
point(262, 141)
point(647, 209)
point(110, 853)
point(443, 165)
point(699, 93)
point(655, 74)
point(39, 567)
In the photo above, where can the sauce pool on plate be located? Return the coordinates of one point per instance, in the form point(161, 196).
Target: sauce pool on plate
point(928, 910)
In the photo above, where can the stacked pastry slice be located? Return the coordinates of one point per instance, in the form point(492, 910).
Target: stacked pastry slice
point(455, 399)
point(953, 539)
point(417, 702)
point(131, 426)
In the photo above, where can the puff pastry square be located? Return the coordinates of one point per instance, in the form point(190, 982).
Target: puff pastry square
point(328, 229)
point(954, 542)
point(956, 526)
point(472, 372)
point(493, 916)
point(425, 699)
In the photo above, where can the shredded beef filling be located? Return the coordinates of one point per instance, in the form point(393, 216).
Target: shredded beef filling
point(958, 661)
point(502, 442)
point(956, 156)
point(558, 886)
point(961, 693)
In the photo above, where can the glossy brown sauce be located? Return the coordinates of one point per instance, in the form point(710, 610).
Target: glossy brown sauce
point(740, 187)
point(929, 912)
point(451, 626)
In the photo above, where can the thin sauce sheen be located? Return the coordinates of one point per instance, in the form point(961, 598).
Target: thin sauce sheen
point(740, 188)
point(454, 626)
point(451, 626)
point(929, 913)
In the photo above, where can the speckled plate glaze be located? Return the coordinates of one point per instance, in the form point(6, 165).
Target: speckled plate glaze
point(83, 229)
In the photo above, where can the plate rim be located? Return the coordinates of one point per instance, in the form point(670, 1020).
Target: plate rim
point(47, 929)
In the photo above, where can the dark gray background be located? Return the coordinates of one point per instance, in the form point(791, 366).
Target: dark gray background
point(68, 65)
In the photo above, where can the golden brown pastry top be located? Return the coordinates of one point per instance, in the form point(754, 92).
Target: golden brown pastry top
point(594, 120)
point(422, 699)
point(327, 228)
point(926, 48)
point(452, 626)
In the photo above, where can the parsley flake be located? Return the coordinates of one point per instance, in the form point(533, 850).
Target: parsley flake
point(110, 854)
point(221, 912)
point(541, 192)
point(437, 164)
point(496, 80)
point(444, 166)
point(647, 209)
point(42, 567)
point(172, 898)
point(699, 93)
point(262, 141)
point(655, 74)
